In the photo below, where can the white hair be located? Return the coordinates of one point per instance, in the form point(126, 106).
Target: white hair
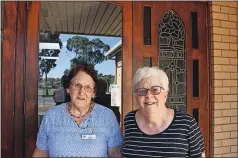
point(146, 72)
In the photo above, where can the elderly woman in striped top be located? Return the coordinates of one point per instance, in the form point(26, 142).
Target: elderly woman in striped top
point(155, 130)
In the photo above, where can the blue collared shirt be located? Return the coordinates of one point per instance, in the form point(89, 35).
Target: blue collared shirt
point(62, 137)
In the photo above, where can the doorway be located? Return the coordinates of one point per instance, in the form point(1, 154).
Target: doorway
point(74, 26)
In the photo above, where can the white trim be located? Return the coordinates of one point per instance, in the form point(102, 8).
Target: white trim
point(49, 45)
point(114, 48)
point(46, 57)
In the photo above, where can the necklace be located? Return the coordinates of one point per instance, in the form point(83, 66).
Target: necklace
point(80, 117)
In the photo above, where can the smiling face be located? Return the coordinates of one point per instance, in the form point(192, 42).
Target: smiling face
point(81, 90)
point(151, 103)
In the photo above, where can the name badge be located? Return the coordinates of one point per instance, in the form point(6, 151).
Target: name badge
point(89, 136)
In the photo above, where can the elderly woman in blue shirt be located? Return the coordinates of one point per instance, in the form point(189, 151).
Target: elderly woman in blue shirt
point(79, 128)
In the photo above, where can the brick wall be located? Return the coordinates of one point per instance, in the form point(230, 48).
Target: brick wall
point(224, 78)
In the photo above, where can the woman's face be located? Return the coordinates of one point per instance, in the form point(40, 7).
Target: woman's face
point(150, 100)
point(81, 90)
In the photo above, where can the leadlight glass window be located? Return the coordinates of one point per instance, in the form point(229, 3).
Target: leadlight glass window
point(171, 38)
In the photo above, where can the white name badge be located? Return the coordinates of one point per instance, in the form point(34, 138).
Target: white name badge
point(88, 136)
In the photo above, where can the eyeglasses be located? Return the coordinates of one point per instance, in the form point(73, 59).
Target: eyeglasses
point(154, 90)
point(79, 87)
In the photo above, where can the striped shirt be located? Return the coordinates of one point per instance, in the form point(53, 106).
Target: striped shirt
point(182, 138)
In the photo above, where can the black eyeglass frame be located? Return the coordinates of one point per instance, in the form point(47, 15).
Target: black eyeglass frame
point(148, 89)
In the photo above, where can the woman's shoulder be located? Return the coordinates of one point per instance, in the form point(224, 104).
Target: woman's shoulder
point(100, 107)
point(180, 114)
point(103, 114)
point(56, 110)
point(130, 115)
point(102, 110)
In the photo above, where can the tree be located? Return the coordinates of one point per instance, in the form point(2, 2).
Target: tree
point(110, 79)
point(87, 51)
point(66, 72)
point(45, 65)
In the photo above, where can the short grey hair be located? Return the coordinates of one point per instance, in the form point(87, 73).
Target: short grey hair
point(146, 72)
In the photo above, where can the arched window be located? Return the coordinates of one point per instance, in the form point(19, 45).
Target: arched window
point(171, 38)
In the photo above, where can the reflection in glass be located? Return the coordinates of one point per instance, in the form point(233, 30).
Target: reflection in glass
point(171, 37)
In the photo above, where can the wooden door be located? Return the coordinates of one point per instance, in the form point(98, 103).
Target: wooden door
point(19, 78)
point(173, 36)
point(13, 58)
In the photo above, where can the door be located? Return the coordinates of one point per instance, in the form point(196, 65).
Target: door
point(12, 96)
point(173, 36)
point(19, 78)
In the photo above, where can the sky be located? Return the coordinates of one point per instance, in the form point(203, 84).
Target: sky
point(106, 67)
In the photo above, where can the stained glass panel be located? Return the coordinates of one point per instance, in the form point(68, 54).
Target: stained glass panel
point(171, 37)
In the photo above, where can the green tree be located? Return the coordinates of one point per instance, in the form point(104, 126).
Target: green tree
point(110, 79)
point(87, 51)
point(45, 65)
point(66, 71)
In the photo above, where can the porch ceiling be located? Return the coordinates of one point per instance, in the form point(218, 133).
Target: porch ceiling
point(89, 18)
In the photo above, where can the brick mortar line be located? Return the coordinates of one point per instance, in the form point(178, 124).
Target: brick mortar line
point(223, 13)
point(232, 101)
point(225, 131)
point(213, 110)
point(211, 19)
point(224, 42)
point(225, 108)
point(222, 20)
point(224, 65)
point(225, 138)
point(226, 101)
point(220, 125)
point(219, 72)
point(212, 26)
point(222, 5)
point(225, 48)
point(223, 34)
point(226, 36)
point(226, 57)
point(218, 102)
point(227, 86)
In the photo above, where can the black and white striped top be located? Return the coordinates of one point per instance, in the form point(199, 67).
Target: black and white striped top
point(182, 138)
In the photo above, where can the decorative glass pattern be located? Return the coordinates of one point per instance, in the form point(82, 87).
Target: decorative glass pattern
point(171, 37)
